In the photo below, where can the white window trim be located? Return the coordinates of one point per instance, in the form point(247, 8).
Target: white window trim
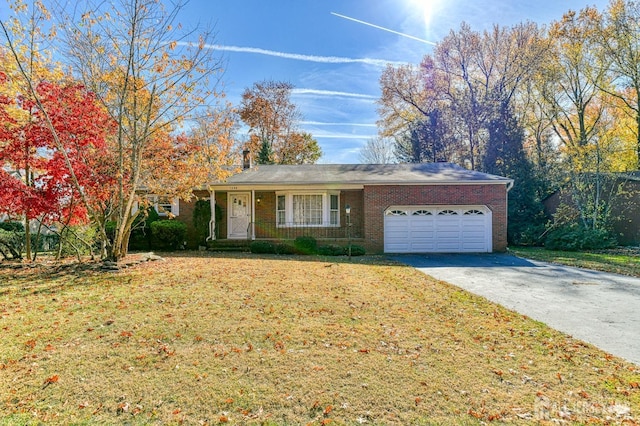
point(175, 206)
point(326, 209)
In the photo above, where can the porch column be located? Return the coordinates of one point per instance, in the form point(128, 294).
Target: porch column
point(253, 214)
point(212, 222)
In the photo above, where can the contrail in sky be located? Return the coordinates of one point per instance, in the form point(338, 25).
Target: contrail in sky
point(322, 123)
point(383, 28)
point(331, 93)
point(310, 58)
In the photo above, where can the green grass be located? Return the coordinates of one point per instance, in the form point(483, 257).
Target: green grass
point(248, 339)
point(620, 261)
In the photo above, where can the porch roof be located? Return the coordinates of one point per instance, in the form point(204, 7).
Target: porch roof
point(360, 174)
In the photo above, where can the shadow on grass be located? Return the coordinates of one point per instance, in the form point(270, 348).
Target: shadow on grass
point(51, 277)
point(365, 259)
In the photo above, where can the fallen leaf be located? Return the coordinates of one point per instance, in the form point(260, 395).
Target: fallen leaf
point(50, 380)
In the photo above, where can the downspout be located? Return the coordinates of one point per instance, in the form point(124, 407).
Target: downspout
point(212, 221)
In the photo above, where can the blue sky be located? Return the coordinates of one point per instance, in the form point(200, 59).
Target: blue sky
point(331, 53)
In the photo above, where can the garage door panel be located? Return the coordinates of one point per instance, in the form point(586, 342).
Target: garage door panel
point(428, 229)
point(423, 247)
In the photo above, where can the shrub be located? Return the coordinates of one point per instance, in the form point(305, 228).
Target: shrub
point(201, 219)
point(168, 234)
point(356, 250)
point(529, 235)
point(331, 250)
point(12, 239)
point(77, 240)
point(141, 234)
point(110, 229)
point(305, 245)
point(262, 247)
point(140, 238)
point(574, 237)
point(285, 248)
point(12, 226)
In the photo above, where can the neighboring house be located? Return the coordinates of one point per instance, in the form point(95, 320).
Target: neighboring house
point(394, 208)
point(625, 204)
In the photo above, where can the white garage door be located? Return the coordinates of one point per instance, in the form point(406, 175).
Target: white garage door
point(437, 229)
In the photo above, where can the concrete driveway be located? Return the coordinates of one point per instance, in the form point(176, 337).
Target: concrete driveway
point(596, 307)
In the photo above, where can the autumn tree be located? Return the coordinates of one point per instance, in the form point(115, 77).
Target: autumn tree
point(582, 115)
point(461, 104)
point(24, 65)
point(51, 194)
point(378, 150)
point(617, 37)
point(273, 119)
point(151, 76)
point(428, 140)
point(214, 136)
point(411, 109)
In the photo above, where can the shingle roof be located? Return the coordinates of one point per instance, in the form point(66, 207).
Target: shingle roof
point(372, 174)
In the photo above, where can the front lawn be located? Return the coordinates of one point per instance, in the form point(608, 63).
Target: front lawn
point(625, 261)
point(241, 338)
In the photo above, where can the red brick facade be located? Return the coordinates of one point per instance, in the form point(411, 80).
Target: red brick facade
point(367, 211)
point(378, 198)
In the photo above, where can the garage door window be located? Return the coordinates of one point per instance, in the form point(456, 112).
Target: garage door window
point(447, 213)
point(473, 213)
point(422, 213)
point(396, 213)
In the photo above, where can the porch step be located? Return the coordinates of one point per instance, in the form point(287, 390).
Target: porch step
point(228, 245)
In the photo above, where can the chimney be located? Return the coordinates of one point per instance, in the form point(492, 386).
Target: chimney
point(246, 159)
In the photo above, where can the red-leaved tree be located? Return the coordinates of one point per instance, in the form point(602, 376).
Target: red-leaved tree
point(35, 181)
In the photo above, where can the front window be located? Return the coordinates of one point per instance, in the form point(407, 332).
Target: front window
point(334, 212)
point(307, 209)
point(165, 206)
point(280, 210)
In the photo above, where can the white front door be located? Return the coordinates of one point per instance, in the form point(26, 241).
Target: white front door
point(239, 215)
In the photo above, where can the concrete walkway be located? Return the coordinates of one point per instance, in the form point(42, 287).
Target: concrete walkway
point(596, 307)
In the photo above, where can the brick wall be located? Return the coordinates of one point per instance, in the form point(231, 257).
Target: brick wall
point(378, 198)
point(367, 210)
point(266, 218)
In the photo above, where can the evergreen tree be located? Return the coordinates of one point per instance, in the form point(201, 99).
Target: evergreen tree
point(505, 156)
point(265, 155)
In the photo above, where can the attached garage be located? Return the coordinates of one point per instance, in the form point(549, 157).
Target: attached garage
point(393, 208)
point(437, 229)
